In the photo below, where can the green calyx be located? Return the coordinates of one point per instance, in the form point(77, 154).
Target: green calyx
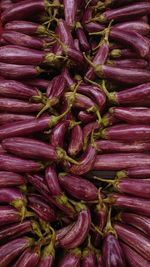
point(36, 229)
point(62, 155)
point(108, 228)
point(100, 19)
point(115, 53)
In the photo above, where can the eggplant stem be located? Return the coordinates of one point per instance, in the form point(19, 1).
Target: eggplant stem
point(104, 180)
point(108, 228)
point(95, 228)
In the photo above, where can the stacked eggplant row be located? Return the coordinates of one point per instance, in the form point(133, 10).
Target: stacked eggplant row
point(75, 133)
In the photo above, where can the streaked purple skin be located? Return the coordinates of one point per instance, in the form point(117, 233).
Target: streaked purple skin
point(78, 187)
point(127, 132)
point(2, 151)
point(87, 15)
point(64, 34)
point(24, 10)
point(140, 222)
point(23, 128)
point(109, 119)
point(138, 42)
point(20, 55)
point(115, 3)
point(86, 117)
point(42, 209)
point(9, 215)
point(132, 115)
point(5, 4)
point(126, 13)
point(88, 258)
point(111, 252)
point(15, 89)
point(56, 87)
point(76, 56)
point(86, 161)
point(37, 82)
point(11, 195)
point(108, 146)
point(58, 133)
point(134, 204)
point(129, 63)
point(139, 172)
point(28, 258)
point(99, 58)
point(70, 81)
point(139, 26)
point(11, 117)
point(84, 44)
point(93, 27)
point(39, 183)
point(3, 41)
point(78, 233)
point(21, 39)
point(123, 53)
point(77, 44)
point(29, 148)
point(96, 94)
point(15, 164)
point(11, 179)
point(134, 238)
point(133, 258)
point(52, 180)
point(15, 230)
point(82, 101)
point(26, 27)
point(46, 261)
point(70, 10)
point(76, 141)
point(19, 106)
point(71, 258)
point(135, 95)
point(18, 72)
point(62, 232)
point(119, 161)
point(87, 131)
point(99, 261)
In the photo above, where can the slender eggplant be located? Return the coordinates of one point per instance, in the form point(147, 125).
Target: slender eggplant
point(11, 179)
point(58, 133)
point(52, 180)
point(13, 249)
point(37, 82)
point(64, 34)
point(123, 53)
point(93, 27)
point(76, 141)
point(134, 238)
point(71, 258)
point(62, 232)
point(136, 25)
point(78, 187)
point(48, 255)
point(119, 161)
point(6, 118)
point(9, 215)
point(109, 119)
point(129, 63)
point(137, 172)
point(70, 10)
point(30, 257)
point(89, 256)
point(86, 117)
point(85, 46)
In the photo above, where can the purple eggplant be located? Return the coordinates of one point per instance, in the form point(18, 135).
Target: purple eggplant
point(37, 82)
point(29, 257)
point(134, 238)
point(11, 179)
point(58, 133)
point(133, 258)
point(71, 258)
point(137, 172)
point(9, 215)
point(86, 161)
point(76, 141)
point(119, 161)
point(127, 132)
point(85, 46)
point(48, 255)
point(70, 9)
point(129, 63)
point(64, 34)
point(13, 249)
point(6, 118)
point(136, 25)
point(85, 117)
point(79, 231)
point(123, 53)
point(62, 232)
point(52, 180)
point(88, 256)
point(109, 119)
point(56, 87)
point(78, 187)
point(5, 4)
point(2, 150)
point(87, 131)
point(93, 27)
point(140, 222)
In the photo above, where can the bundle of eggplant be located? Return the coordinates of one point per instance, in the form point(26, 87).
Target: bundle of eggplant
point(75, 133)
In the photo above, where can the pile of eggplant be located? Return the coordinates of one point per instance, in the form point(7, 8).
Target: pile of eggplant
point(74, 133)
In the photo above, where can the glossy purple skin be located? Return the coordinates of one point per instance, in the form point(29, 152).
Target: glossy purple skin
point(108, 146)
point(88, 258)
point(86, 162)
point(139, 172)
point(8, 195)
point(93, 27)
point(127, 132)
point(5, 4)
point(83, 102)
point(14, 164)
point(3, 41)
point(132, 115)
point(111, 252)
point(42, 209)
point(129, 63)
point(37, 82)
point(133, 204)
point(76, 56)
point(87, 130)
point(52, 180)
point(11, 117)
point(13, 71)
point(140, 222)
point(20, 55)
point(136, 25)
point(134, 238)
point(15, 230)
point(29, 148)
point(78, 232)
point(138, 42)
point(64, 33)
point(99, 261)
point(2, 151)
point(23, 10)
point(70, 259)
point(10, 179)
point(120, 161)
point(13, 249)
point(123, 53)
point(84, 44)
point(62, 232)
point(135, 95)
point(127, 12)
point(70, 9)
point(109, 119)
point(78, 187)
point(133, 258)
point(76, 141)
point(15, 89)
point(18, 106)
point(95, 93)
point(77, 44)
point(99, 58)
point(46, 261)
point(9, 215)
point(66, 74)
point(101, 214)
point(21, 39)
point(56, 87)
point(28, 258)
point(39, 183)
point(23, 128)
point(26, 27)
point(58, 133)
point(87, 15)
point(85, 117)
